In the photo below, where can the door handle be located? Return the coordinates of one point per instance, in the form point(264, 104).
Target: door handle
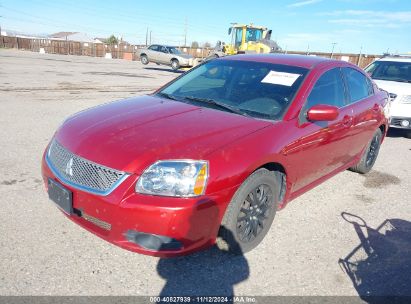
point(347, 120)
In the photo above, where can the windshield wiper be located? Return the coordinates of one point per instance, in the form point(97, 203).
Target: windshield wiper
point(218, 104)
point(168, 96)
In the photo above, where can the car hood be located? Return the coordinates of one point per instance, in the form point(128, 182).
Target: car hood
point(130, 135)
point(396, 87)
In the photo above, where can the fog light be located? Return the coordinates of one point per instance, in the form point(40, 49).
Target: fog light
point(152, 241)
point(405, 123)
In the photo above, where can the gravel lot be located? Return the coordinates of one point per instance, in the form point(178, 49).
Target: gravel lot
point(43, 253)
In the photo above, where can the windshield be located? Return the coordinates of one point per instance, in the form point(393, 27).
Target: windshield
point(254, 34)
point(390, 70)
point(256, 89)
point(173, 50)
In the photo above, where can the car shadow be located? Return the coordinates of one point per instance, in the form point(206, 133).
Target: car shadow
point(211, 272)
point(380, 266)
point(164, 70)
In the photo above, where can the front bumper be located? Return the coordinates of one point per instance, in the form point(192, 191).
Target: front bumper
point(192, 222)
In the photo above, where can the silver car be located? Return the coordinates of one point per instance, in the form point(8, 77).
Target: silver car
point(168, 55)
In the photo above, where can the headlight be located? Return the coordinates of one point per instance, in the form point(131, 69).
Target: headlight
point(174, 178)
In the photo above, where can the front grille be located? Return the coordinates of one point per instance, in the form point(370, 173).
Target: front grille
point(82, 173)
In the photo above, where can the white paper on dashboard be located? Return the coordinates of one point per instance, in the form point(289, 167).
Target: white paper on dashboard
point(280, 78)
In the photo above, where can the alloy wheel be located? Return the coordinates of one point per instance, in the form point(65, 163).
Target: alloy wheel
point(253, 213)
point(373, 150)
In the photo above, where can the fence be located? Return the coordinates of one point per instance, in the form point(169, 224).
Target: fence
point(127, 51)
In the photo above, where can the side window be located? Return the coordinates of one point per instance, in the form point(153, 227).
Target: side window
point(358, 84)
point(329, 90)
point(153, 48)
point(163, 49)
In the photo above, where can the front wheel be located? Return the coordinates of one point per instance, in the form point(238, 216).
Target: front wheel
point(408, 133)
point(251, 212)
point(144, 59)
point(370, 154)
point(175, 65)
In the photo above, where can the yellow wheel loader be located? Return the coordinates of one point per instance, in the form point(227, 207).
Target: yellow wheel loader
point(245, 39)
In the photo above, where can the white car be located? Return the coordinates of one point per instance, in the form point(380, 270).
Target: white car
point(393, 74)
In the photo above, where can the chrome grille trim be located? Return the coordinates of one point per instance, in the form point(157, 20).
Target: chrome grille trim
point(81, 173)
point(99, 223)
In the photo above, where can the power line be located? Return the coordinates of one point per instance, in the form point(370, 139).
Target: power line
point(120, 15)
point(56, 23)
point(59, 23)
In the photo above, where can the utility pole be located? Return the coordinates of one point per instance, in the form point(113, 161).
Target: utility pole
point(359, 57)
point(332, 51)
point(146, 36)
point(308, 49)
point(185, 32)
point(150, 37)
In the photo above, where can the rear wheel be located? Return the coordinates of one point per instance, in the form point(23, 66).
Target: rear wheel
point(251, 212)
point(175, 65)
point(370, 154)
point(144, 59)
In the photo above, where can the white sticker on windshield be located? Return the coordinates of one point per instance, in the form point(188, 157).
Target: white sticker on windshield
point(281, 78)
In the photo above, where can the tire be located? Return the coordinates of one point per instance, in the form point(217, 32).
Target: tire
point(369, 155)
point(175, 65)
point(245, 222)
point(408, 133)
point(144, 59)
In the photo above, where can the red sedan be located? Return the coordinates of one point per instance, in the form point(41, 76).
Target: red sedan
point(211, 156)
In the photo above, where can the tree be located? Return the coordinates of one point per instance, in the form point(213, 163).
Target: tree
point(194, 45)
point(207, 45)
point(112, 40)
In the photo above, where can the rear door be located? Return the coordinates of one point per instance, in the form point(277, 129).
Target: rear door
point(152, 53)
point(366, 108)
point(322, 146)
point(164, 55)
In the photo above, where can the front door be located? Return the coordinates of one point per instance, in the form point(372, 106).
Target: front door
point(322, 146)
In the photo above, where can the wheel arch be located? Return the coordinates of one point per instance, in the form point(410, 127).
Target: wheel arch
point(277, 167)
point(384, 130)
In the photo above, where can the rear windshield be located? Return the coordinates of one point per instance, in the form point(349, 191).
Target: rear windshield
point(257, 89)
point(390, 70)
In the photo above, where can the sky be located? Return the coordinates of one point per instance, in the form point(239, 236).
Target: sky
point(350, 26)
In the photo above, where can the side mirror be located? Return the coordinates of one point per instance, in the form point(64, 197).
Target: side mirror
point(322, 112)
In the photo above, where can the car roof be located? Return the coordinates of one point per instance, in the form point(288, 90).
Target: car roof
point(167, 46)
point(396, 58)
point(303, 61)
